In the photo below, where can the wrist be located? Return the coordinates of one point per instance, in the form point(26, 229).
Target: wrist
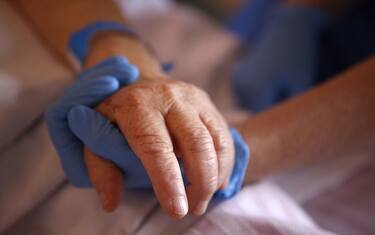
point(108, 44)
point(263, 139)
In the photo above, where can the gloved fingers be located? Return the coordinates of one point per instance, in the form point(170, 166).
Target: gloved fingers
point(106, 178)
point(223, 144)
point(69, 149)
point(198, 154)
point(116, 66)
point(100, 135)
point(84, 92)
point(103, 138)
point(72, 161)
point(68, 146)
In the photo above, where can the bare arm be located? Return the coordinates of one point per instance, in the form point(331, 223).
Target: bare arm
point(55, 21)
point(332, 120)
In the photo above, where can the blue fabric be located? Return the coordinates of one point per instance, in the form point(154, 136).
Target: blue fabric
point(79, 41)
point(347, 41)
point(91, 87)
point(250, 19)
point(284, 61)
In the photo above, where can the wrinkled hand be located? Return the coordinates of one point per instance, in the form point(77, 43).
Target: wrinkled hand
point(168, 120)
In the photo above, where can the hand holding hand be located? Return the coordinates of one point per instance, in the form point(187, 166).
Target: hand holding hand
point(166, 117)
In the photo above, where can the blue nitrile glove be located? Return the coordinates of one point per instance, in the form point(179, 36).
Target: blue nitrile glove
point(104, 139)
point(284, 61)
point(92, 86)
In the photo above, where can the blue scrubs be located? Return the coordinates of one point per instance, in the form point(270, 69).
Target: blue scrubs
point(343, 42)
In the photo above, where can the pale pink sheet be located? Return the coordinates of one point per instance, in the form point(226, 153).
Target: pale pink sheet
point(36, 199)
point(260, 209)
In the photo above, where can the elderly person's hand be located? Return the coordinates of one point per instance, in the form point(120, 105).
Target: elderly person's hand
point(160, 118)
point(165, 120)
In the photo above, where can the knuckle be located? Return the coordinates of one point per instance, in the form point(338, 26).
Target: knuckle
point(220, 134)
point(153, 144)
point(134, 98)
point(198, 140)
point(172, 94)
point(209, 188)
point(192, 91)
point(190, 88)
point(222, 143)
point(199, 92)
point(170, 89)
point(168, 168)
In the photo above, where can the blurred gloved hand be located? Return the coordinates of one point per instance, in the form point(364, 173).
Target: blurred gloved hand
point(283, 62)
point(92, 86)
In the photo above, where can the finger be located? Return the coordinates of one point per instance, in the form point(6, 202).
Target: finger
point(149, 138)
point(106, 178)
point(67, 145)
point(242, 154)
point(101, 136)
point(223, 143)
point(95, 130)
point(84, 92)
point(198, 154)
point(116, 66)
point(106, 141)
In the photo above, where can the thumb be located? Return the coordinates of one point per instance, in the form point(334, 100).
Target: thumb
point(100, 135)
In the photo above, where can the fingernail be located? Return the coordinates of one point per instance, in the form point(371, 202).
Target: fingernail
point(180, 207)
point(200, 207)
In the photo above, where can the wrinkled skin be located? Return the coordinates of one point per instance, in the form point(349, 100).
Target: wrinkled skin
point(165, 120)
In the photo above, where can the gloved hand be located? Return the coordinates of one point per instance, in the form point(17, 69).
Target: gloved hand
point(92, 86)
point(284, 61)
point(70, 123)
point(103, 138)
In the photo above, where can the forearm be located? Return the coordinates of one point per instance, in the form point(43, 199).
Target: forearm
point(332, 120)
point(56, 20)
point(111, 44)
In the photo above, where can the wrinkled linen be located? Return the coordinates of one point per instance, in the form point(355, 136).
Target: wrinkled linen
point(261, 209)
point(35, 197)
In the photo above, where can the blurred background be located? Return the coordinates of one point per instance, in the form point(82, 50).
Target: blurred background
point(214, 45)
